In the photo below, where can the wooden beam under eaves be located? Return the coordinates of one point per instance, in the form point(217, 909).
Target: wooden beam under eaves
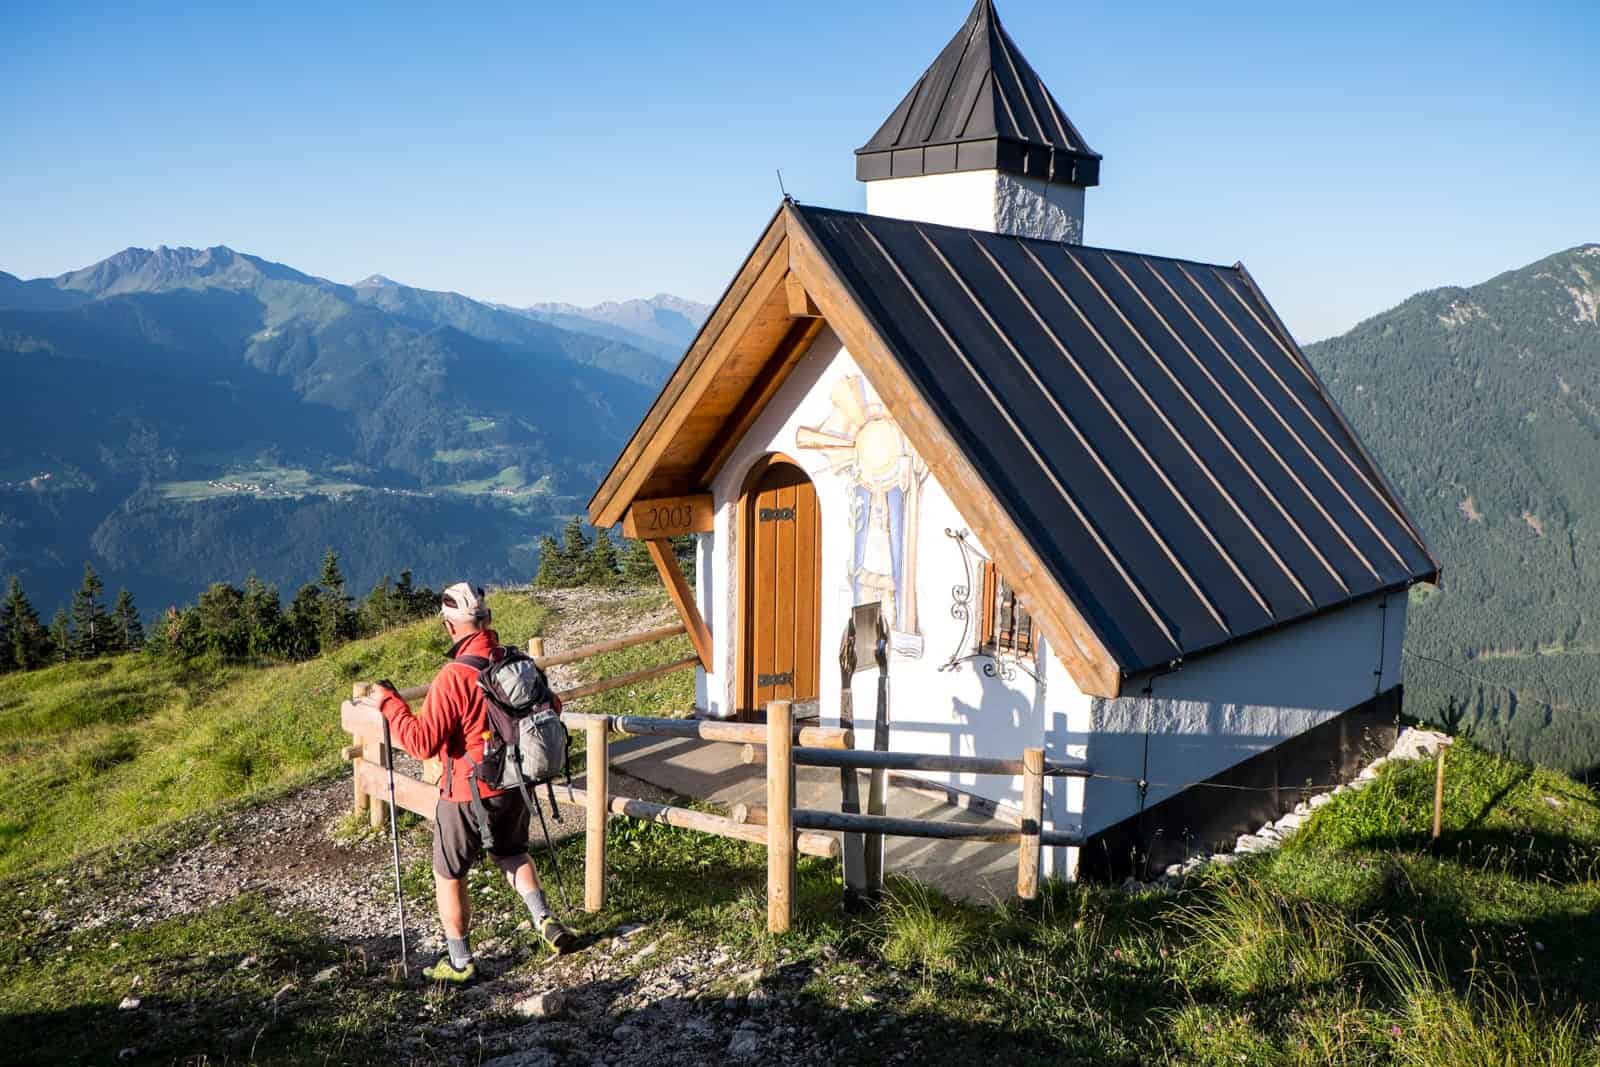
point(800, 303)
point(1085, 656)
point(666, 562)
point(760, 276)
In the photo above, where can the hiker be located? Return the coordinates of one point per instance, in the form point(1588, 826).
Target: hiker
point(452, 725)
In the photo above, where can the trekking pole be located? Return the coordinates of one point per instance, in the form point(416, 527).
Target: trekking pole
point(394, 843)
point(550, 846)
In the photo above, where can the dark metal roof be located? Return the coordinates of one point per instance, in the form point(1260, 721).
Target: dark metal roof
point(1147, 423)
point(979, 107)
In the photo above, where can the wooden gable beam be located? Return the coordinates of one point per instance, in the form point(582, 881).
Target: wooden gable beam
point(682, 597)
point(801, 305)
point(1084, 654)
point(760, 276)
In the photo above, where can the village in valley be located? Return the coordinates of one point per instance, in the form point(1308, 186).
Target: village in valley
point(958, 642)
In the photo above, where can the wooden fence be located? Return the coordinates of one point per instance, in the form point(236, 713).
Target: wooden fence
point(784, 829)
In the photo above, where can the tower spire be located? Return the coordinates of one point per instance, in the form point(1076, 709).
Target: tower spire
point(980, 109)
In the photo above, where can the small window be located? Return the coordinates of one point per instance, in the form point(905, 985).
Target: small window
point(1006, 624)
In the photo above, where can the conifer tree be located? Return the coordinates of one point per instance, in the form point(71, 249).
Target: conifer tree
point(305, 622)
point(638, 567)
point(8, 656)
point(574, 549)
point(554, 572)
point(126, 628)
point(61, 646)
point(600, 565)
point(263, 618)
point(91, 626)
point(335, 624)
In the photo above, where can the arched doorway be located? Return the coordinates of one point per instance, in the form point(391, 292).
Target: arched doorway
point(780, 587)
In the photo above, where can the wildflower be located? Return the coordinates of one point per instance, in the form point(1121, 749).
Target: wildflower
point(1394, 1031)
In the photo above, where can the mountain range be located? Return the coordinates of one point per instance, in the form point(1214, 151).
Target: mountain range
point(175, 412)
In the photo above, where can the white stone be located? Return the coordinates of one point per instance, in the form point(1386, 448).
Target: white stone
point(327, 974)
point(1319, 800)
point(128, 1004)
point(1291, 822)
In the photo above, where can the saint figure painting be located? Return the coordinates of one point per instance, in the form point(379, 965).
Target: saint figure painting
point(865, 446)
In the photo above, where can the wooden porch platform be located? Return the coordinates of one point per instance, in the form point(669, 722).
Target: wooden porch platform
point(972, 870)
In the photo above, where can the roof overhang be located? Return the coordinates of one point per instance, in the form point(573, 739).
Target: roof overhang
point(785, 291)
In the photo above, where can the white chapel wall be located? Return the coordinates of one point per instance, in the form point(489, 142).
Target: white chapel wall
point(934, 707)
point(1220, 710)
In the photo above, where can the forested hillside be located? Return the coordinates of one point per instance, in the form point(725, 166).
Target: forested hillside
point(1483, 406)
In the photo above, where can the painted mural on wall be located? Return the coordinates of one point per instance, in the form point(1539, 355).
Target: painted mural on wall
point(864, 446)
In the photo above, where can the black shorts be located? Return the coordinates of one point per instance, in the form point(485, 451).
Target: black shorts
point(457, 843)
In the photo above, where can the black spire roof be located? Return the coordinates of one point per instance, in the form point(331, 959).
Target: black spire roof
point(979, 107)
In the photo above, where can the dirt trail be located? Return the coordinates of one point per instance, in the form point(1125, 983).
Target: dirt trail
point(626, 999)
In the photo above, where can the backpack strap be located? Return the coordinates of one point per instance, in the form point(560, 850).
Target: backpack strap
point(479, 812)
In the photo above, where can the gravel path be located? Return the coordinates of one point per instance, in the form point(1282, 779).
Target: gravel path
point(627, 999)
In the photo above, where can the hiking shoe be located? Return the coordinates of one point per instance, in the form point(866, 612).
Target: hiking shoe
point(445, 971)
point(556, 935)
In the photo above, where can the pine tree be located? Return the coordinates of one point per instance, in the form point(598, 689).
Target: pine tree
point(600, 565)
point(638, 566)
point(8, 655)
point(222, 620)
point(304, 621)
point(61, 646)
point(126, 628)
point(335, 623)
point(90, 624)
point(381, 608)
point(553, 570)
point(263, 618)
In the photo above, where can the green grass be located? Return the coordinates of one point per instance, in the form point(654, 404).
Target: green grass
point(1360, 943)
point(94, 753)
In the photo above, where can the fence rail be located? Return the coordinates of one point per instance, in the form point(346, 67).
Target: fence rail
point(785, 829)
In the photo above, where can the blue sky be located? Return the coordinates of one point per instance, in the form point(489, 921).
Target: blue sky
point(1350, 154)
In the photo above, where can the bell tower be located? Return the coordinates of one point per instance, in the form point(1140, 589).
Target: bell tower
point(980, 142)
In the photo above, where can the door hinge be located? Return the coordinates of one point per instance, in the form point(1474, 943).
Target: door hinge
point(776, 515)
point(786, 678)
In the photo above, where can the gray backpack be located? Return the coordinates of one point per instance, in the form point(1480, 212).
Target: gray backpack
point(527, 743)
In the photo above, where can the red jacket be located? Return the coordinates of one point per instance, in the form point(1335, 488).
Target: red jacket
point(453, 718)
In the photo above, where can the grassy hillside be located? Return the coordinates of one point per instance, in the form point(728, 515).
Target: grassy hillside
point(1359, 943)
point(1483, 406)
point(93, 754)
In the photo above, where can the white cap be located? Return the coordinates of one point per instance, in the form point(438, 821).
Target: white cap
point(463, 602)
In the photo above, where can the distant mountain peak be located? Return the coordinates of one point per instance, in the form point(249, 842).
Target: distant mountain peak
point(376, 281)
point(665, 323)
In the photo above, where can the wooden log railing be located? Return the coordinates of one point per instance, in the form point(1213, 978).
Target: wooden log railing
point(780, 744)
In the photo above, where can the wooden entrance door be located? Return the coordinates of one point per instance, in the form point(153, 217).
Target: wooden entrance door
point(781, 581)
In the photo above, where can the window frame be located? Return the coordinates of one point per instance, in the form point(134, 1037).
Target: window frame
point(995, 639)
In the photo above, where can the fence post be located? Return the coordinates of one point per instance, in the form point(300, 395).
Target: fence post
point(373, 752)
point(1438, 796)
point(359, 797)
point(780, 816)
point(598, 791)
point(1032, 823)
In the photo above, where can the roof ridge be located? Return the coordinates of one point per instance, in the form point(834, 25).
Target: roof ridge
point(819, 209)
